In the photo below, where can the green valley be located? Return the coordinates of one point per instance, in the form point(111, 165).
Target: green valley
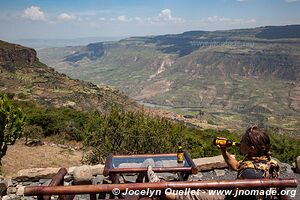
point(223, 79)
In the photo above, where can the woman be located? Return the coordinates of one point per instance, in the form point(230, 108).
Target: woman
point(255, 144)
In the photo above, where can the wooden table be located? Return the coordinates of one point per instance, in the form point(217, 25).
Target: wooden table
point(116, 165)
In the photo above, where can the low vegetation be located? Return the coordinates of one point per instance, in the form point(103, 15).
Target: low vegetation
point(42, 122)
point(131, 132)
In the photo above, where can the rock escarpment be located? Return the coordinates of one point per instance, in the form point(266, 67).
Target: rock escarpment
point(11, 55)
point(27, 79)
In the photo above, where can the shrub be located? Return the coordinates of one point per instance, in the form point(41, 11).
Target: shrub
point(48, 121)
point(284, 148)
point(33, 132)
point(11, 122)
point(121, 132)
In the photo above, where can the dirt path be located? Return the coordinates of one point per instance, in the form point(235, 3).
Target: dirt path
point(20, 156)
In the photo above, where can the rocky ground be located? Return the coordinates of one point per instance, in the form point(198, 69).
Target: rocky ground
point(20, 156)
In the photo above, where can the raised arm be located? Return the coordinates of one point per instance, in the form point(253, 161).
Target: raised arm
point(232, 163)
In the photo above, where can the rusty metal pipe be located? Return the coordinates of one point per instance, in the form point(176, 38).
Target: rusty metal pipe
point(221, 184)
point(57, 179)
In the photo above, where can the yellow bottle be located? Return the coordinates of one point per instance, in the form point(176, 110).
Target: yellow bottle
point(223, 142)
point(180, 153)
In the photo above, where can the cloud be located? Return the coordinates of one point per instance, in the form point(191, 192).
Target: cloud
point(166, 14)
point(163, 16)
point(123, 18)
point(138, 19)
point(230, 21)
point(66, 17)
point(241, 0)
point(34, 13)
point(291, 1)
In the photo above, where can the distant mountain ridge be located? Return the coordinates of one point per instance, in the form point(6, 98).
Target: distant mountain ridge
point(60, 42)
point(93, 51)
point(235, 77)
point(183, 44)
point(278, 32)
point(27, 79)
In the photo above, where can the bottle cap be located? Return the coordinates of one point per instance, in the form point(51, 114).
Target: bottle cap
point(179, 145)
point(237, 144)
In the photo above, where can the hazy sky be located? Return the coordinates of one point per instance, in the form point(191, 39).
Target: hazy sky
point(21, 19)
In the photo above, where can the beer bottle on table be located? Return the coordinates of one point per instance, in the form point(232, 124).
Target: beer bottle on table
point(180, 153)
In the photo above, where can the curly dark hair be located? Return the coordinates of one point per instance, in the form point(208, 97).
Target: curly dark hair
point(258, 138)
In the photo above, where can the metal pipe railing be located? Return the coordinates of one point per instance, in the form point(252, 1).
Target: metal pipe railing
point(57, 179)
point(107, 188)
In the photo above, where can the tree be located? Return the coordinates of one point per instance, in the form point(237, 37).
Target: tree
point(12, 120)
